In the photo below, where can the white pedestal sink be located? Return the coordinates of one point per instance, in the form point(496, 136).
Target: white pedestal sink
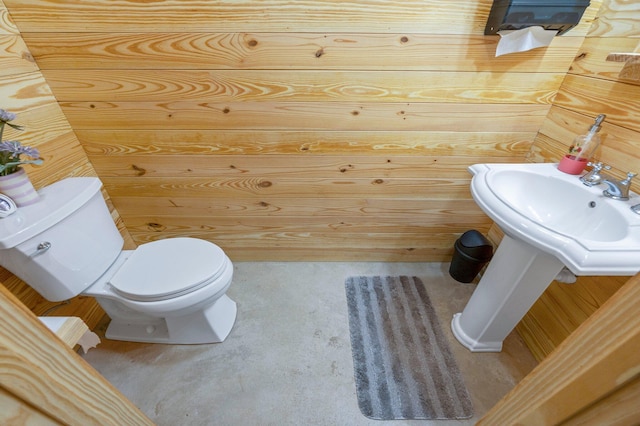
point(550, 221)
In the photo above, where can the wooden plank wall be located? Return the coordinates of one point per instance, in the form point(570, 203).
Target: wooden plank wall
point(306, 130)
point(591, 87)
point(24, 91)
point(44, 382)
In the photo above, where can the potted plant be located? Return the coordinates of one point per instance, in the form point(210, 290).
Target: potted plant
point(14, 181)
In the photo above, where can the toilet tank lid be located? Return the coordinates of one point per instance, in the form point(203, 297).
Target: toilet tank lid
point(57, 201)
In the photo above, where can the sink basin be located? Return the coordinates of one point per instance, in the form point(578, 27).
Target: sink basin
point(559, 206)
point(553, 211)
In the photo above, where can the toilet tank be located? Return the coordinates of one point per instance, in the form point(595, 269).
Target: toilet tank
point(63, 243)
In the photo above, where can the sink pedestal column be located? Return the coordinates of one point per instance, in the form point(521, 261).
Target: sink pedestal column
point(514, 279)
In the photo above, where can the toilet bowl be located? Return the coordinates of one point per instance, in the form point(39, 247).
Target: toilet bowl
point(166, 291)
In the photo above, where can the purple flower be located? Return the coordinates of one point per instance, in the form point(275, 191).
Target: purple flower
point(15, 148)
point(10, 151)
point(6, 116)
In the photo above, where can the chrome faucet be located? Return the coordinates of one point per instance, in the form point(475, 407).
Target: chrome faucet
point(618, 190)
point(594, 177)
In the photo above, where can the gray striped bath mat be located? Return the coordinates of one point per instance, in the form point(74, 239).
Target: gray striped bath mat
point(403, 366)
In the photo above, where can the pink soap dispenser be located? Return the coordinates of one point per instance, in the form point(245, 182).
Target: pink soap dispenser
point(583, 147)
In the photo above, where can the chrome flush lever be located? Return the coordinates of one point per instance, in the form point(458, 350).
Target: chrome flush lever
point(42, 247)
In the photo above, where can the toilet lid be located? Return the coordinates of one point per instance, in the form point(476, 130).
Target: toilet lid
point(168, 268)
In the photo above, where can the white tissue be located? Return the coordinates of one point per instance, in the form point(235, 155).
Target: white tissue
point(88, 340)
point(523, 40)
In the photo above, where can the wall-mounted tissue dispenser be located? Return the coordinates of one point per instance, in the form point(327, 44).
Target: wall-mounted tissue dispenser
point(559, 15)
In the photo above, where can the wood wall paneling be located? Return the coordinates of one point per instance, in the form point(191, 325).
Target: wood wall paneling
point(346, 116)
point(562, 308)
point(616, 18)
point(292, 51)
point(44, 382)
point(418, 16)
point(14, 52)
point(15, 411)
point(302, 86)
point(6, 23)
point(591, 61)
point(590, 96)
point(454, 144)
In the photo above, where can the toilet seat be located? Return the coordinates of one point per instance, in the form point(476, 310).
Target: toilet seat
point(169, 268)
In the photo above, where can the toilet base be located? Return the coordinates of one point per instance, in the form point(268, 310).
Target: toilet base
point(210, 325)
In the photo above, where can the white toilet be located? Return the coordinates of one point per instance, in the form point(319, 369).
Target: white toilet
point(166, 291)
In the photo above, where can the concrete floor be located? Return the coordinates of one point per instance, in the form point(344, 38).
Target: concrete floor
point(288, 359)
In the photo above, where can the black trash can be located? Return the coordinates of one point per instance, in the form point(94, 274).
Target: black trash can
point(472, 251)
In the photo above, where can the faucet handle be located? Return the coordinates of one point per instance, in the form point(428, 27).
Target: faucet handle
point(598, 166)
point(630, 176)
point(593, 177)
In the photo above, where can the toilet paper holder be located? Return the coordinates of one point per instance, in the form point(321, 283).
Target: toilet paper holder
point(558, 15)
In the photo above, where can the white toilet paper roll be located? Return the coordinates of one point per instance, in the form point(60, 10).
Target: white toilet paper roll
point(88, 340)
point(523, 40)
